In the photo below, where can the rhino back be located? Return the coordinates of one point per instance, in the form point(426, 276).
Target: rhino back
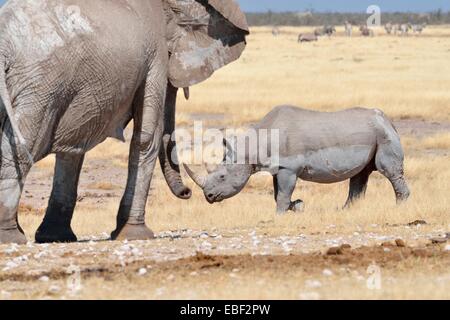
point(304, 130)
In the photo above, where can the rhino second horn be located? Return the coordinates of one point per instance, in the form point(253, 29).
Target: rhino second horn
point(199, 180)
point(187, 93)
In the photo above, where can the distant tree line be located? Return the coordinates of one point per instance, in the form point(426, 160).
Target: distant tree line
point(311, 18)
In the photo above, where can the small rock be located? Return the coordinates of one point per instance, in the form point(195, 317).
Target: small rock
point(438, 240)
point(54, 289)
point(313, 283)
point(447, 247)
point(142, 272)
point(44, 279)
point(400, 243)
point(12, 249)
point(204, 235)
point(170, 277)
point(327, 272)
point(334, 251)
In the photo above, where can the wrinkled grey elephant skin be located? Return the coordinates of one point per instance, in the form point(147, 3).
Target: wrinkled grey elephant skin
point(73, 73)
point(317, 147)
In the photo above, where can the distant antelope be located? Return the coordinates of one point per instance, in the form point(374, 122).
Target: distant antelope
point(307, 37)
point(329, 30)
point(404, 28)
point(396, 29)
point(275, 31)
point(318, 32)
point(366, 31)
point(418, 28)
point(388, 27)
point(326, 30)
point(348, 28)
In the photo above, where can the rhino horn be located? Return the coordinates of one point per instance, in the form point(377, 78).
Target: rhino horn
point(198, 179)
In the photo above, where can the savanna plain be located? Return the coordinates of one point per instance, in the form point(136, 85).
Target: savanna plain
point(240, 248)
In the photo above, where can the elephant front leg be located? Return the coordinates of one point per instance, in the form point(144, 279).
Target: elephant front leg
point(284, 185)
point(145, 147)
point(56, 225)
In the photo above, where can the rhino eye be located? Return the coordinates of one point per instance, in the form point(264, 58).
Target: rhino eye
point(222, 177)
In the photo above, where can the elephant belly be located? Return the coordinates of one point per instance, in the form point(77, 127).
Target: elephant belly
point(335, 164)
point(80, 133)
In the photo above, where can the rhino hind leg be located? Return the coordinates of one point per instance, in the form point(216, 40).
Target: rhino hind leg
point(389, 162)
point(358, 186)
point(56, 225)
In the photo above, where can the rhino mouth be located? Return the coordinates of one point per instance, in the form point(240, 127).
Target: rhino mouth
point(214, 198)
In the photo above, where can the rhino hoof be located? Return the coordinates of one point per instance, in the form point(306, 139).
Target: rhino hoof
point(298, 206)
point(132, 232)
point(12, 236)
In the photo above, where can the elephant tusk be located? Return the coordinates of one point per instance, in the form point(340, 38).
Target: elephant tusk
point(187, 93)
point(199, 180)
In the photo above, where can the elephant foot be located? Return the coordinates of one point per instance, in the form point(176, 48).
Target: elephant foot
point(54, 233)
point(297, 206)
point(132, 232)
point(13, 235)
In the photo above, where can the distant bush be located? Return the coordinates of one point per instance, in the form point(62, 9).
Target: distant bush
point(312, 18)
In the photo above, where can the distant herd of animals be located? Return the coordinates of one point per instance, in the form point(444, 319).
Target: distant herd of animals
point(365, 31)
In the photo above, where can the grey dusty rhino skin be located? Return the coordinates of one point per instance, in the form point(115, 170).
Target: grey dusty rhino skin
point(317, 147)
point(73, 73)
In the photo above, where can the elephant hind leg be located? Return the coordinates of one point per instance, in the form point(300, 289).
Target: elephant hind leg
point(10, 230)
point(358, 186)
point(13, 173)
point(56, 225)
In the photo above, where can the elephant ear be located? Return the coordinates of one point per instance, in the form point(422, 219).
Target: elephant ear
point(203, 36)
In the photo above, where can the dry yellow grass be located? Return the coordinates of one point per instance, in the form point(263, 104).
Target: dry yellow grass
point(406, 77)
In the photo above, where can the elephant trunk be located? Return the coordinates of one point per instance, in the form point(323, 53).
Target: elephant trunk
point(168, 153)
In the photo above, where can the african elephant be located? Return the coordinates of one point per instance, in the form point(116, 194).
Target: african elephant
point(74, 73)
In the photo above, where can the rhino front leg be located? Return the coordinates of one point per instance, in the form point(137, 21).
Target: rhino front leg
point(56, 225)
point(284, 185)
point(145, 147)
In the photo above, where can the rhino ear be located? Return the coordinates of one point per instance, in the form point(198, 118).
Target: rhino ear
point(229, 149)
point(203, 36)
